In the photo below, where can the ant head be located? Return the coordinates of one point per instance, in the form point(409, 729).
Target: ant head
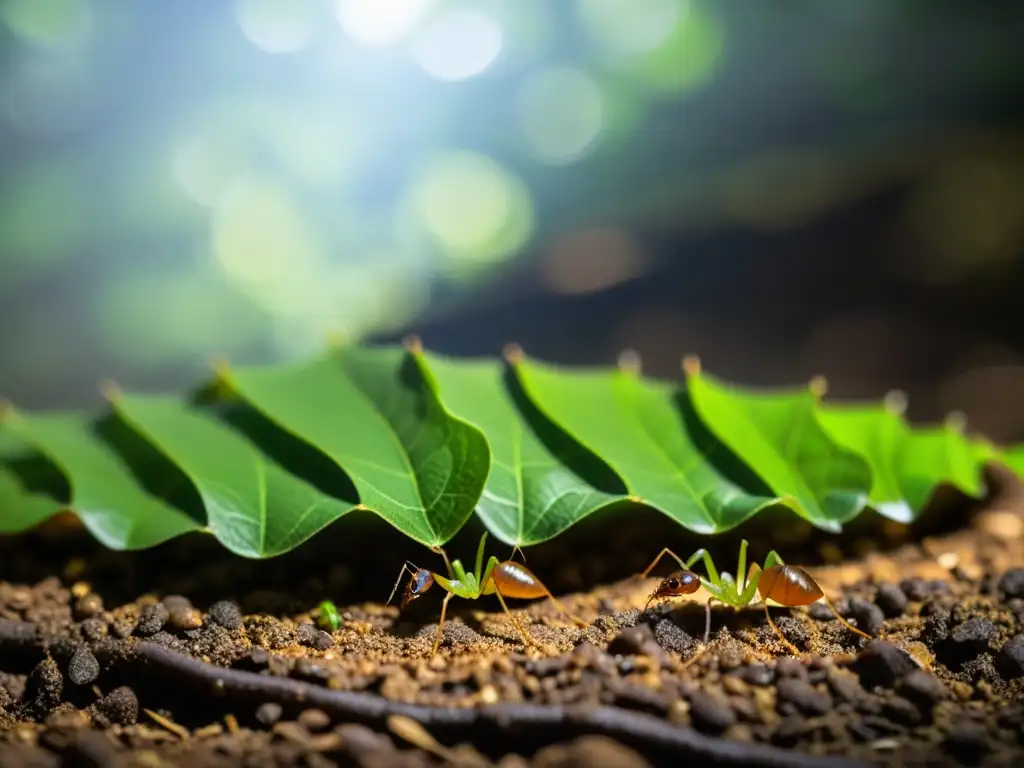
point(420, 582)
point(676, 584)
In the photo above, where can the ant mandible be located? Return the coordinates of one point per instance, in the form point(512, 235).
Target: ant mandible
point(788, 585)
point(504, 579)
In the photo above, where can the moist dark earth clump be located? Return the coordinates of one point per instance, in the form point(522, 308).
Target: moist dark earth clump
point(88, 678)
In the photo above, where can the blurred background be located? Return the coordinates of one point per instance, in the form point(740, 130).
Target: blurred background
point(786, 189)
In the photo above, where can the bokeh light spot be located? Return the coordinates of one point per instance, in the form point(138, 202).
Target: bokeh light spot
point(457, 45)
point(277, 26)
point(205, 165)
point(560, 114)
point(265, 246)
point(474, 209)
point(626, 28)
point(689, 57)
point(56, 23)
point(379, 22)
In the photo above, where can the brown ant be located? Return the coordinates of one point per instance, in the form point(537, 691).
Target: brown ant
point(788, 585)
point(504, 579)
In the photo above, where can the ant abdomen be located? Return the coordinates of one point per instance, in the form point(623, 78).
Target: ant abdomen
point(515, 580)
point(788, 585)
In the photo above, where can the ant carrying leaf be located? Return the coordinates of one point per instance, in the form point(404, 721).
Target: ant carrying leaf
point(504, 579)
point(788, 585)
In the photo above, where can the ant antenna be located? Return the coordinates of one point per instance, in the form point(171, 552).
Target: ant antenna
point(518, 549)
point(405, 567)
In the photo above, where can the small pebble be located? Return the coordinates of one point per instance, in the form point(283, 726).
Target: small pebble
point(803, 696)
point(672, 637)
point(972, 637)
point(881, 663)
point(45, 685)
point(94, 629)
point(1012, 583)
point(120, 706)
point(786, 667)
point(915, 589)
point(922, 688)
point(891, 600)
point(83, 667)
point(226, 614)
point(711, 712)
point(820, 612)
point(758, 674)
point(967, 741)
point(846, 686)
point(152, 619)
point(88, 606)
point(311, 637)
point(172, 602)
point(314, 720)
point(181, 619)
point(899, 710)
point(1010, 660)
point(362, 740)
point(868, 616)
point(631, 641)
point(268, 713)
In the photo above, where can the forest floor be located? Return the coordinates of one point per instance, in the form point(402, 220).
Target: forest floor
point(90, 675)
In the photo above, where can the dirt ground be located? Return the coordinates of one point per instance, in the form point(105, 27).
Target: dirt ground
point(102, 664)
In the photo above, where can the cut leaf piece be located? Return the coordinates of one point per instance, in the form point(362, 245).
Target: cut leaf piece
point(906, 464)
point(534, 491)
point(374, 415)
point(104, 493)
point(879, 435)
point(778, 435)
point(637, 427)
point(943, 449)
point(1014, 459)
point(254, 507)
point(20, 508)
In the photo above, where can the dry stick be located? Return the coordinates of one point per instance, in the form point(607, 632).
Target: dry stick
point(556, 722)
point(642, 730)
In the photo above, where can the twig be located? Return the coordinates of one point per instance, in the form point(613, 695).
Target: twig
point(563, 722)
point(480, 725)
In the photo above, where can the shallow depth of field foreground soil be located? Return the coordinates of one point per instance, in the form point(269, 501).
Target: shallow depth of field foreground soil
point(91, 676)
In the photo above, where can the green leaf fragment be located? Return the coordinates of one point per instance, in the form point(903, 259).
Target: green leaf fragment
point(372, 413)
point(778, 435)
point(532, 492)
point(906, 464)
point(104, 493)
point(20, 508)
point(253, 506)
point(637, 427)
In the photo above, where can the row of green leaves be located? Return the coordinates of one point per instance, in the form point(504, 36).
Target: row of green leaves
point(265, 457)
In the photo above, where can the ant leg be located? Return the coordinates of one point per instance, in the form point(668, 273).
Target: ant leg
point(753, 577)
point(447, 564)
point(843, 621)
point(707, 619)
point(792, 648)
point(665, 551)
point(526, 638)
point(401, 573)
point(741, 568)
point(440, 627)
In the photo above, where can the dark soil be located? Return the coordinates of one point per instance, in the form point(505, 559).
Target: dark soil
point(91, 677)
